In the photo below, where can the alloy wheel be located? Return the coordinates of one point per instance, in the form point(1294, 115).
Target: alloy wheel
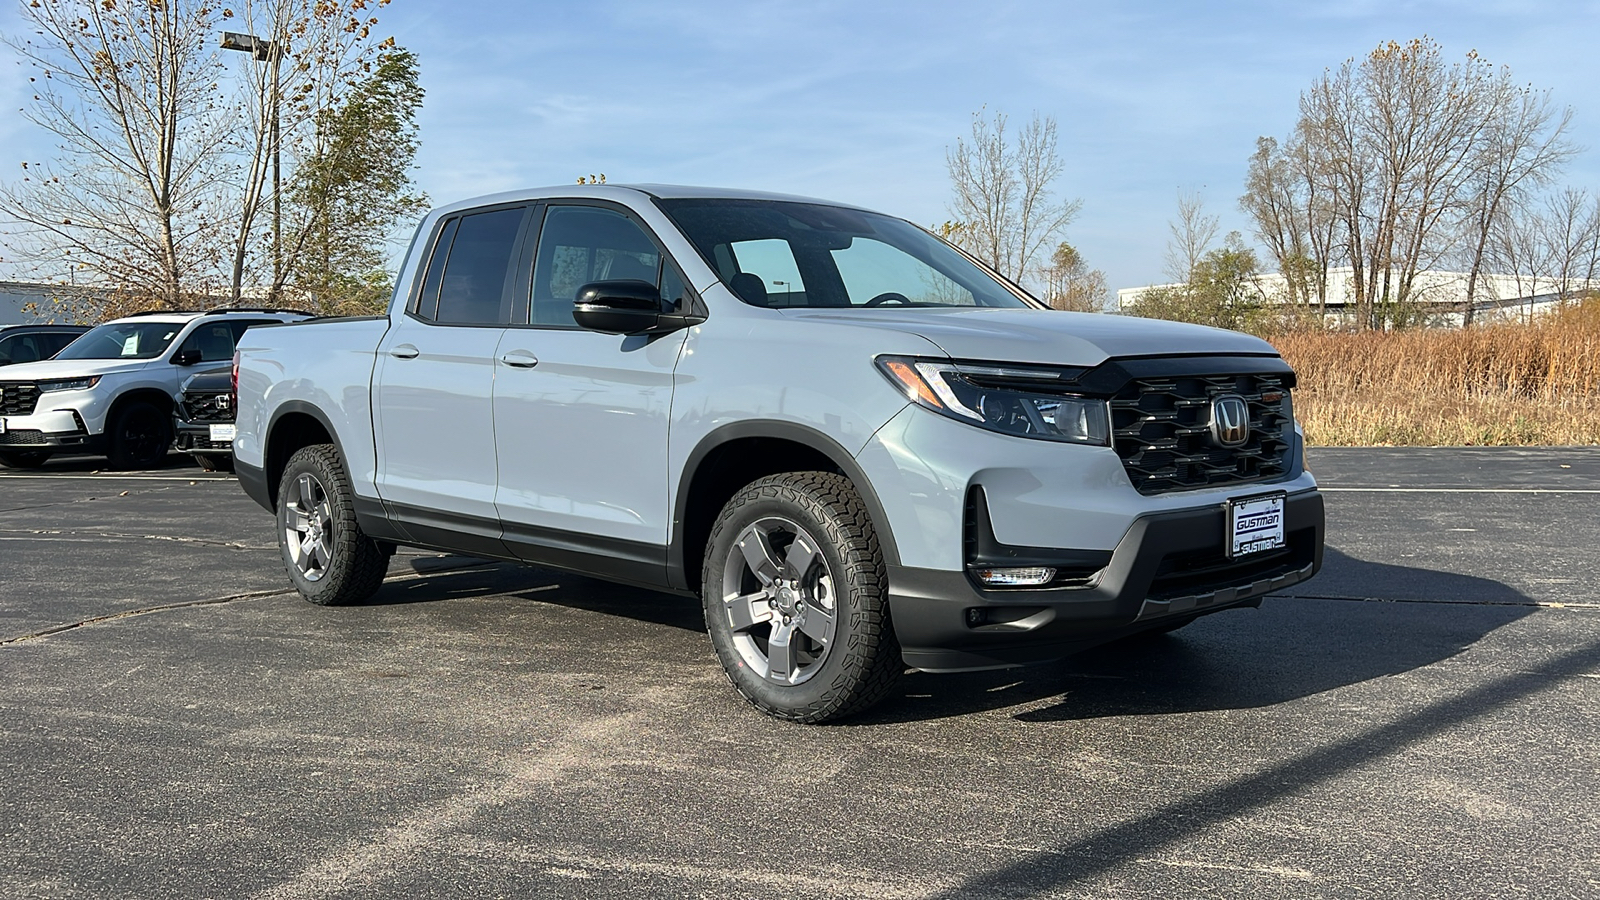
point(778, 595)
point(308, 527)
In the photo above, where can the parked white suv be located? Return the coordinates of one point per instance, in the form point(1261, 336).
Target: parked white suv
point(110, 391)
point(861, 449)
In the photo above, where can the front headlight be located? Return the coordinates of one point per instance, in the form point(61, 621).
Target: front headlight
point(70, 384)
point(978, 395)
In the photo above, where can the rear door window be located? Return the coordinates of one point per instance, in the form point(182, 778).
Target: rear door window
point(472, 268)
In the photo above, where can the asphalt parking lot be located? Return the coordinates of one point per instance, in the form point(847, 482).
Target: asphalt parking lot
point(1420, 720)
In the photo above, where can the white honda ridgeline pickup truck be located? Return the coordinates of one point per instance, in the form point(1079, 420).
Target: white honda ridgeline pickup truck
point(860, 448)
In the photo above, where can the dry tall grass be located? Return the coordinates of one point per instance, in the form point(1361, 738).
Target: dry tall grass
point(1496, 385)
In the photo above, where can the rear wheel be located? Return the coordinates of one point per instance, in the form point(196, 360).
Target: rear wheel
point(328, 557)
point(26, 459)
point(140, 436)
point(796, 599)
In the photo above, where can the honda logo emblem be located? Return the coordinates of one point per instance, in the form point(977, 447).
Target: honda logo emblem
point(1230, 420)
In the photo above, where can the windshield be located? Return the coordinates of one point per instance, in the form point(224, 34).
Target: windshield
point(123, 340)
point(782, 254)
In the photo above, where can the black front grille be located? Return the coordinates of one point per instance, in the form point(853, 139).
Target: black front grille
point(18, 398)
point(21, 438)
point(206, 407)
point(201, 443)
point(1161, 427)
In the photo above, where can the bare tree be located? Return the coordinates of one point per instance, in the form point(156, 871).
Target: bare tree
point(130, 93)
point(1191, 235)
point(157, 192)
point(1550, 247)
point(1400, 129)
point(1288, 202)
point(1525, 141)
point(1399, 161)
point(1070, 284)
point(1004, 209)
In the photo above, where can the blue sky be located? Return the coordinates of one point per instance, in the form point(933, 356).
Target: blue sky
point(857, 101)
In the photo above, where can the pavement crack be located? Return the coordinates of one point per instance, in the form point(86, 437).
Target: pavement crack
point(144, 611)
point(118, 535)
point(127, 493)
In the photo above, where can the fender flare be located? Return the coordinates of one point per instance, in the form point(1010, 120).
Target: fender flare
point(777, 430)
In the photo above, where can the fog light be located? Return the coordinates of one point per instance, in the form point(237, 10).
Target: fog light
point(1020, 576)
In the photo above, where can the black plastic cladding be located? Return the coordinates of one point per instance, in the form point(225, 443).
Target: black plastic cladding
point(1160, 418)
point(208, 407)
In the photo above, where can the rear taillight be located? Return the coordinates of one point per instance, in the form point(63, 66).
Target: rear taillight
point(233, 392)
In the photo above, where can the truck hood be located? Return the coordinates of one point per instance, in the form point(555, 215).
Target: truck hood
point(53, 369)
point(1045, 336)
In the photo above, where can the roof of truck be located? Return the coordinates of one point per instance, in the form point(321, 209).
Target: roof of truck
point(620, 192)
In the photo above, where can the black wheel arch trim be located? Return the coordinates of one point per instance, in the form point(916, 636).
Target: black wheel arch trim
point(775, 429)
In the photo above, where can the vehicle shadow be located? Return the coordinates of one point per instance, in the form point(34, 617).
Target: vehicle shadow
point(95, 465)
point(451, 577)
point(1355, 629)
point(1369, 620)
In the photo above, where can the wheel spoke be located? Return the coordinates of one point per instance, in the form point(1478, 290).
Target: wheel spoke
point(781, 653)
point(816, 623)
point(801, 556)
point(299, 521)
point(748, 610)
point(303, 485)
point(756, 545)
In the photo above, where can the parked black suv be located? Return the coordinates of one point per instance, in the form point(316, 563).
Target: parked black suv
point(31, 343)
point(202, 418)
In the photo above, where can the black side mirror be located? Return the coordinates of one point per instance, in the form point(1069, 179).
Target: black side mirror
point(186, 357)
point(626, 306)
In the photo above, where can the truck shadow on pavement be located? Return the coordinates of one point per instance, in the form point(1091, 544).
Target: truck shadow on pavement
point(1379, 620)
point(451, 577)
point(1355, 622)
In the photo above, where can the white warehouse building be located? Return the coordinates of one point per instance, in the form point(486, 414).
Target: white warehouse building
point(1497, 297)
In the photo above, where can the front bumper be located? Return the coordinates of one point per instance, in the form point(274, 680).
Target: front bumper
point(55, 431)
point(1168, 567)
point(190, 437)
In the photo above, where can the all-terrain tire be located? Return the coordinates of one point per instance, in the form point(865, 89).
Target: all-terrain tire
point(330, 560)
point(862, 661)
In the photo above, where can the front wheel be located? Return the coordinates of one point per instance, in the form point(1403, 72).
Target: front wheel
point(140, 436)
point(329, 559)
point(796, 598)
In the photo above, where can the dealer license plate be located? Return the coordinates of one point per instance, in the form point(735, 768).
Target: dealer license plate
point(224, 432)
point(1255, 525)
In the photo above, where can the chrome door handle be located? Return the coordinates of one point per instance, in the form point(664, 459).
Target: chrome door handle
point(520, 359)
point(404, 351)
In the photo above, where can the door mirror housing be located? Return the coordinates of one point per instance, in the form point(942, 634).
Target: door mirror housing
point(627, 306)
point(186, 357)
